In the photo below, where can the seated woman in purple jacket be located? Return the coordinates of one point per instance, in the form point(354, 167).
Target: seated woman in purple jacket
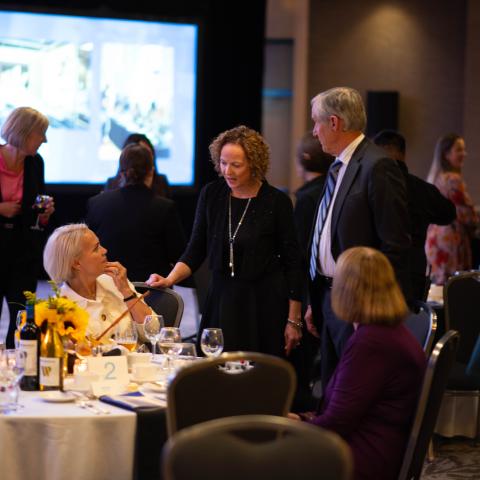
point(372, 395)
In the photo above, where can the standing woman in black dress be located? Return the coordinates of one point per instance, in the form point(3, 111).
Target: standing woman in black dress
point(245, 227)
point(21, 180)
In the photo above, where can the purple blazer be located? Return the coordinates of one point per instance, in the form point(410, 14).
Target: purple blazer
point(371, 398)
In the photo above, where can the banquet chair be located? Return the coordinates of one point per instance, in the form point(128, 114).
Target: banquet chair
point(163, 301)
point(433, 387)
point(423, 325)
point(460, 409)
point(256, 447)
point(209, 389)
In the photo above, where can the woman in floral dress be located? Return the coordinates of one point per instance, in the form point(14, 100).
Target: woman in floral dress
point(448, 247)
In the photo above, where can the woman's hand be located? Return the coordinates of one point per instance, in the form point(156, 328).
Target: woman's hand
point(49, 209)
point(293, 336)
point(156, 280)
point(293, 416)
point(10, 209)
point(119, 275)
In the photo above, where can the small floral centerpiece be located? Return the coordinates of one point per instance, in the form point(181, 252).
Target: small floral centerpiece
point(71, 320)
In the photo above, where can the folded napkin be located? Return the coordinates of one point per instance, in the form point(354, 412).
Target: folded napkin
point(135, 401)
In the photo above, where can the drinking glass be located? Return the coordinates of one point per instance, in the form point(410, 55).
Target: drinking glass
point(41, 202)
point(15, 366)
point(211, 342)
point(169, 341)
point(152, 326)
point(126, 335)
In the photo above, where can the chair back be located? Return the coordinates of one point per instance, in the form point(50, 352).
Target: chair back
point(462, 304)
point(164, 301)
point(206, 390)
point(423, 325)
point(256, 446)
point(434, 384)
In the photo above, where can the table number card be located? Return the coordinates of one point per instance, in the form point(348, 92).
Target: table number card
point(112, 373)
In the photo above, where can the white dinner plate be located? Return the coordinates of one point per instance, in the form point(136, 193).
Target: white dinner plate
point(155, 387)
point(56, 396)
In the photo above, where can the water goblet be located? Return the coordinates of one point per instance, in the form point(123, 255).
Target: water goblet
point(152, 327)
point(15, 366)
point(211, 342)
point(169, 341)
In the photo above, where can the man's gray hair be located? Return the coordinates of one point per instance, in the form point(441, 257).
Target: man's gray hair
point(343, 102)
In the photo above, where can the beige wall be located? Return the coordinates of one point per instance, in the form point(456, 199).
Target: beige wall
point(413, 47)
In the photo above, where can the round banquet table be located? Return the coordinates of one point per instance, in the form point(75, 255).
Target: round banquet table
point(63, 441)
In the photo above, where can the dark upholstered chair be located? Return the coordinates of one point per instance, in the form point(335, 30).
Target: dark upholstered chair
point(423, 325)
point(256, 447)
point(205, 391)
point(434, 383)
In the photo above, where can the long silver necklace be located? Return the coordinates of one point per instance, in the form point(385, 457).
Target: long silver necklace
point(231, 238)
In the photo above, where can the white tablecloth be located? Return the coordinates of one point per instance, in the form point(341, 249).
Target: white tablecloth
point(61, 441)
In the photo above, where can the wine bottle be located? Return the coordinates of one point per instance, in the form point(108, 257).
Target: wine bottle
point(30, 336)
point(51, 360)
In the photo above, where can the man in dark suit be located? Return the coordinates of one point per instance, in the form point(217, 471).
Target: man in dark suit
point(364, 203)
point(138, 228)
point(426, 205)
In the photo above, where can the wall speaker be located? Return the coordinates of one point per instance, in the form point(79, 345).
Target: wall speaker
point(382, 111)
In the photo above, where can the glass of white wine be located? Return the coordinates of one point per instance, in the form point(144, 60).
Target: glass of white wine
point(211, 342)
point(169, 342)
point(126, 335)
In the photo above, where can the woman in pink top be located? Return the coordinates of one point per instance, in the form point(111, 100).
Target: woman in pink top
point(448, 247)
point(21, 180)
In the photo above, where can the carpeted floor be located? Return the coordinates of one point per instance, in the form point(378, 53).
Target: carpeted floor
point(457, 458)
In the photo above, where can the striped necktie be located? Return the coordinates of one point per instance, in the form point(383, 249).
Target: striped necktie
point(322, 214)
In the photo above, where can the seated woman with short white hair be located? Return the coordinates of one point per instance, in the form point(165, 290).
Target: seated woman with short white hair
point(75, 260)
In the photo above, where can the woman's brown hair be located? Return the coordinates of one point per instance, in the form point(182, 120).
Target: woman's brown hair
point(365, 290)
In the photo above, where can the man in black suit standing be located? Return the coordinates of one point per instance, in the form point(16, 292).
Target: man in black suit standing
point(364, 203)
point(426, 205)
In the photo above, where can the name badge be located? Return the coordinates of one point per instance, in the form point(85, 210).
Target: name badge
point(112, 373)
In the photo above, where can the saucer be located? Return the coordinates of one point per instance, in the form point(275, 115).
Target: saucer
point(55, 396)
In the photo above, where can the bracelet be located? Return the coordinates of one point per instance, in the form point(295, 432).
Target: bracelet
point(131, 297)
point(298, 324)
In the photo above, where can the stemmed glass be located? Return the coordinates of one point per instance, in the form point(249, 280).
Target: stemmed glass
point(211, 342)
point(126, 335)
point(14, 366)
point(152, 326)
point(41, 202)
point(170, 345)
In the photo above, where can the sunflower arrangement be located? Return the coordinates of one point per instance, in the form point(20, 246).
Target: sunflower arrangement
point(70, 319)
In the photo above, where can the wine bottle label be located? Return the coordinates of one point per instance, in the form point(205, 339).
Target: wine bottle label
point(50, 370)
point(30, 349)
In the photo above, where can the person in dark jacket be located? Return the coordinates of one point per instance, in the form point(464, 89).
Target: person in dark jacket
point(21, 236)
point(371, 397)
point(245, 228)
point(138, 228)
point(159, 182)
point(426, 205)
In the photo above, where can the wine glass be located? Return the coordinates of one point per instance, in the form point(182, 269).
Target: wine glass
point(15, 366)
point(152, 327)
point(126, 335)
point(169, 341)
point(41, 202)
point(211, 342)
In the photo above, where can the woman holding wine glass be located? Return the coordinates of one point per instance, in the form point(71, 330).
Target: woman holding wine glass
point(245, 228)
point(21, 181)
point(74, 259)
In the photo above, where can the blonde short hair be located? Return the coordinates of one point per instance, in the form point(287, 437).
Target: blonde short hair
point(257, 151)
point(63, 246)
point(365, 289)
point(21, 123)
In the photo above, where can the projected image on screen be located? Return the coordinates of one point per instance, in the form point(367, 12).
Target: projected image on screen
point(99, 80)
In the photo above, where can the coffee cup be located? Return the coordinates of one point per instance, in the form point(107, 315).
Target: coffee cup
point(145, 372)
point(135, 358)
